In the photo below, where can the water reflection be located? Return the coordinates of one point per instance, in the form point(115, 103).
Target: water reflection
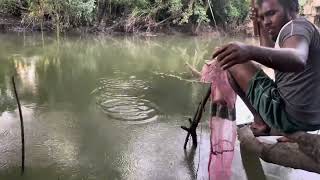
point(74, 94)
point(66, 132)
point(26, 70)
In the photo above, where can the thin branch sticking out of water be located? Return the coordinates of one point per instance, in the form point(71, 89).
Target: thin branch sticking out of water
point(192, 129)
point(21, 125)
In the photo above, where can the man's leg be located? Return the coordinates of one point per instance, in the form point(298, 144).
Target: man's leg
point(239, 77)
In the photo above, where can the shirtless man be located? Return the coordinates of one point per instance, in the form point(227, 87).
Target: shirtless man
point(292, 102)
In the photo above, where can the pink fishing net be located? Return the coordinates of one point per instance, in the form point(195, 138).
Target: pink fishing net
point(221, 91)
point(222, 122)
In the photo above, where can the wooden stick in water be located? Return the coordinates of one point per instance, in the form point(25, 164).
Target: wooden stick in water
point(192, 130)
point(21, 126)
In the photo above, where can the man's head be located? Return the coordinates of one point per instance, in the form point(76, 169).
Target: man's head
point(276, 13)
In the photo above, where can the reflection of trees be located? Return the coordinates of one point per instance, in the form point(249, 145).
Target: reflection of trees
point(6, 97)
point(7, 102)
point(65, 77)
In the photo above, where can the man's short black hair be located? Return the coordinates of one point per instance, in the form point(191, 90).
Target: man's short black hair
point(289, 5)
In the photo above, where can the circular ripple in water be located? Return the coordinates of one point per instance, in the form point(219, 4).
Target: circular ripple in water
point(123, 100)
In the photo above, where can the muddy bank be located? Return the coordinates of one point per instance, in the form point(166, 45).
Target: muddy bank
point(10, 24)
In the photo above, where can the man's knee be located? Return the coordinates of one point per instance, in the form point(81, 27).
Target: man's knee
point(235, 86)
point(241, 75)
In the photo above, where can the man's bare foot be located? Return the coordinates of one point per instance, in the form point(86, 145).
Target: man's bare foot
point(284, 140)
point(260, 129)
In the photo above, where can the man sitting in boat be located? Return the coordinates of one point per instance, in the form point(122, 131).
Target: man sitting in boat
point(292, 102)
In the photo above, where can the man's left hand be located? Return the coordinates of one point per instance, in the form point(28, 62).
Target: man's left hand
point(232, 54)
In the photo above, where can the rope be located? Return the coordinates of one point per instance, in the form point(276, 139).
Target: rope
point(214, 21)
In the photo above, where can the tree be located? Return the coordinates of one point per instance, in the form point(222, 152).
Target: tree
point(129, 15)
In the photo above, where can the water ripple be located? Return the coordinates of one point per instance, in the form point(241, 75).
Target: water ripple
point(124, 100)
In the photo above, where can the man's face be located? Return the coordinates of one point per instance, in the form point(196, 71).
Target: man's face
point(273, 17)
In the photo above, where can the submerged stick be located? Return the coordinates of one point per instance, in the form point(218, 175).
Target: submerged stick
point(192, 130)
point(21, 126)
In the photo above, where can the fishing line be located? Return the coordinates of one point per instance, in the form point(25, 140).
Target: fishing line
point(214, 21)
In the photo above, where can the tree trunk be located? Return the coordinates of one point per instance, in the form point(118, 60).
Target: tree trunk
point(301, 155)
point(102, 9)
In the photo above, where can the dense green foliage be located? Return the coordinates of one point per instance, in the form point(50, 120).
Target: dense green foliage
point(128, 15)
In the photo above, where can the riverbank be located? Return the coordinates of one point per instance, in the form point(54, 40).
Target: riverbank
point(14, 24)
point(9, 24)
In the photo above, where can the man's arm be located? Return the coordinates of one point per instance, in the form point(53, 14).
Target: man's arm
point(291, 57)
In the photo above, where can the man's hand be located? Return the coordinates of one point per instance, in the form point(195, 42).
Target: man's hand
point(232, 54)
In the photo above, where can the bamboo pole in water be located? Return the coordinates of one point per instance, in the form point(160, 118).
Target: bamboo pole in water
point(21, 126)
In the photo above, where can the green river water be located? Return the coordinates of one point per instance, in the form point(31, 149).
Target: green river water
point(105, 108)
